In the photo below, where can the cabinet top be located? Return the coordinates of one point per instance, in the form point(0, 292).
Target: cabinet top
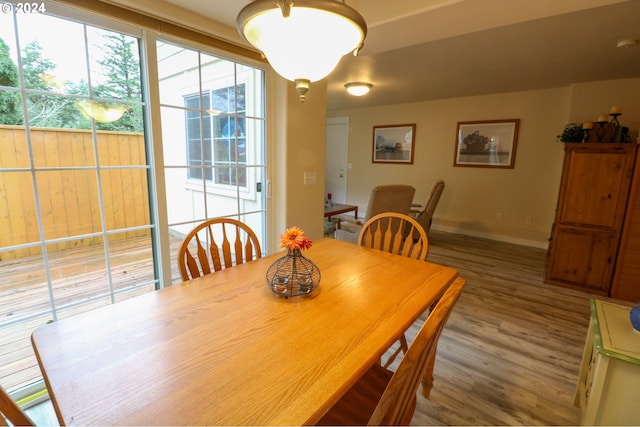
point(600, 146)
point(614, 335)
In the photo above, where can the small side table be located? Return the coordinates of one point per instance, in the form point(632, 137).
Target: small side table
point(608, 391)
point(337, 209)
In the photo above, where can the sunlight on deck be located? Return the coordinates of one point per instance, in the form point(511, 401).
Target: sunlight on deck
point(80, 283)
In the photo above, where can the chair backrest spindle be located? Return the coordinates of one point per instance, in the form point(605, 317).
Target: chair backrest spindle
point(238, 248)
point(226, 249)
point(215, 254)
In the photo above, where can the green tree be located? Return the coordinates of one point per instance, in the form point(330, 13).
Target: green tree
point(121, 66)
point(37, 69)
point(10, 106)
point(43, 110)
point(70, 116)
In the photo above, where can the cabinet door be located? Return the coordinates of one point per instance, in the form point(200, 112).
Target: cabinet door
point(582, 258)
point(595, 187)
point(626, 281)
point(591, 209)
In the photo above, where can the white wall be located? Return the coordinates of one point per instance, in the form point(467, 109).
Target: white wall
point(473, 196)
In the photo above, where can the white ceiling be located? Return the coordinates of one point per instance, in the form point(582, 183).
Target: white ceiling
point(432, 49)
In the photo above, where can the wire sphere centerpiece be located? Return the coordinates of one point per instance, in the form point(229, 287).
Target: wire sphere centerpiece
point(293, 274)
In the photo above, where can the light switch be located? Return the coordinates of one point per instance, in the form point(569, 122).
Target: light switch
point(310, 178)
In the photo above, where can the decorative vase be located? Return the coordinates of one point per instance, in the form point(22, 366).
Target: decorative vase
point(293, 275)
point(634, 316)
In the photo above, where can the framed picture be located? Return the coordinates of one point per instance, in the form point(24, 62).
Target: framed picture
point(394, 144)
point(487, 144)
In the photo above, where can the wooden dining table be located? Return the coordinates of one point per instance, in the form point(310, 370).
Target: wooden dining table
point(224, 350)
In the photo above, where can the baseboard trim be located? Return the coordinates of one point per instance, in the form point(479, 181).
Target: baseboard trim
point(492, 236)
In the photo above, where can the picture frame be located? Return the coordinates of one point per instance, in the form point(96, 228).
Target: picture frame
point(394, 144)
point(486, 143)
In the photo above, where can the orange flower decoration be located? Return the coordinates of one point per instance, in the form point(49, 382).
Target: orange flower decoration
point(294, 238)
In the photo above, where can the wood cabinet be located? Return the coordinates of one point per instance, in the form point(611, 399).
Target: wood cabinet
point(626, 278)
point(591, 210)
point(609, 380)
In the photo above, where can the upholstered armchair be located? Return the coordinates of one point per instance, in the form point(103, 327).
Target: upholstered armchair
point(384, 198)
point(424, 214)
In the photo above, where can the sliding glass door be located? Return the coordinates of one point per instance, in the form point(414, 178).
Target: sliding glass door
point(213, 140)
point(74, 205)
point(79, 195)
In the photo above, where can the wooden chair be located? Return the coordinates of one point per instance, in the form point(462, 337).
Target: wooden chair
point(208, 248)
point(10, 410)
point(381, 397)
point(399, 234)
point(394, 232)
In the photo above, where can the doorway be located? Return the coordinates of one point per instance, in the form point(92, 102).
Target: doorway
point(337, 150)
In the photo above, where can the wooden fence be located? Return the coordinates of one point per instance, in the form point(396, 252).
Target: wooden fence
point(69, 198)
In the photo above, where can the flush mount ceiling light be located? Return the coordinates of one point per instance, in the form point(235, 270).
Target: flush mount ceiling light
point(358, 88)
point(303, 40)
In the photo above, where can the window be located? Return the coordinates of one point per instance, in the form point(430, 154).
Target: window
point(198, 128)
point(229, 137)
point(227, 125)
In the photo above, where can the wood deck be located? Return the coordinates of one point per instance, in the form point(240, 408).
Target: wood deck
point(79, 279)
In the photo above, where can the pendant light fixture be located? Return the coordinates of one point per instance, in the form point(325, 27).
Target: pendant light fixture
point(303, 40)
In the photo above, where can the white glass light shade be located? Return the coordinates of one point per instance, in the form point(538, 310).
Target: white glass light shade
point(358, 88)
point(306, 45)
point(101, 112)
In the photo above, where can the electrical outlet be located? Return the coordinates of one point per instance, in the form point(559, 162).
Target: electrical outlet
point(499, 216)
point(528, 220)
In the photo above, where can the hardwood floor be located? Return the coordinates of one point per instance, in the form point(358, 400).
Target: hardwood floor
point(511, 350)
